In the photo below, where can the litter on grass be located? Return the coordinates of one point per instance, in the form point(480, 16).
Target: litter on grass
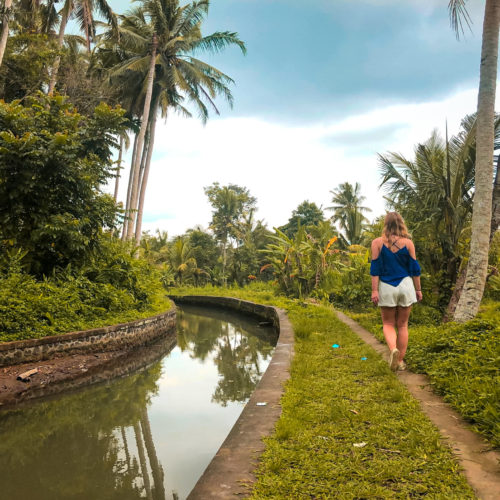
point(335, 346)
point(359, 445)
point(364, 359)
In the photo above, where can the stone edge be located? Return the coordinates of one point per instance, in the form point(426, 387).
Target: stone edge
point(114, 337)
point(231, 471)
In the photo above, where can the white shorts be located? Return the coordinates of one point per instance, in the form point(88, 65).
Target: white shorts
point(402, 295)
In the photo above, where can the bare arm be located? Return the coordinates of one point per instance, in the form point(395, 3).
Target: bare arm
point(416, 279)
point(375, 279)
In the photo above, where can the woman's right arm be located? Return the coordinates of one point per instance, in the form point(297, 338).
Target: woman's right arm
point(375, 279)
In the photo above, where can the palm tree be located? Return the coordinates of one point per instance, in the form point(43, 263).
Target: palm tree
point(230, 204)
point(5, 27)
point(34, 16)
point(83, 10)
point(475, 281)
point(178, 75)
point(348, 211)
point(158, 490)
point(181, 258)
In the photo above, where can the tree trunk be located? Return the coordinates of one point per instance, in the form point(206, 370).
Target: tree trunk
point(142, 461)
point(117, 180)
point(62, 29)
point(224, 262)
point(129, 190)
point(455, 296)
point(495, 223)
point(140, 160)
point(495, 210)
point(5, 28)
point(145, 176)
point(142, 134)
point(156, 468)
point(475, 281)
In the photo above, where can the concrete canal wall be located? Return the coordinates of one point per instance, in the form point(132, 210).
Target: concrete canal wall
point(124, 336)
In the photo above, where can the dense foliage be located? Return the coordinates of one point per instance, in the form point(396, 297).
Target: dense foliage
point(61, 266)
point(112, 287)
point(54, 163)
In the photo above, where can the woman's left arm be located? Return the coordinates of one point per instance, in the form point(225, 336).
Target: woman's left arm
point(416, 279)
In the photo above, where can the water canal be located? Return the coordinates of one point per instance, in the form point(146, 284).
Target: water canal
point(148, 435)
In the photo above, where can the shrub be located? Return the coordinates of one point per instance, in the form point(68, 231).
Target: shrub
point(112, 287)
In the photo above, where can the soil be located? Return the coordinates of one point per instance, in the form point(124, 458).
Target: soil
point(53, 371)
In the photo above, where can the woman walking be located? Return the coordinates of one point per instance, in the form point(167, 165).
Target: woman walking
point(395, 284)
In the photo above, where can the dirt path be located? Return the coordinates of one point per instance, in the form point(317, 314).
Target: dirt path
point(480, 463)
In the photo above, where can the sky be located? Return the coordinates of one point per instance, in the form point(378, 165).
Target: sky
point(326, 85)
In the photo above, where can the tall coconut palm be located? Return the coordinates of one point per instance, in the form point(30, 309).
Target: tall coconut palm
point(475, 281)
point(83, 11)
point(178, 76)
point(348, 211)
point(6, 11)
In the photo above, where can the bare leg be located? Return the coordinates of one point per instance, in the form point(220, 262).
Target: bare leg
point(402, 316)
point(389, 326)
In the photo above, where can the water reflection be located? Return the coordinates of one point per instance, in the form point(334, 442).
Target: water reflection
point(149, 435)
point(237, 355)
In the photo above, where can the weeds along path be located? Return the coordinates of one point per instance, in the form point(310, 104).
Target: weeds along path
point(480, 463)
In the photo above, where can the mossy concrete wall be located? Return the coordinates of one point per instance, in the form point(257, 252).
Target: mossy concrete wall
point(117, 337)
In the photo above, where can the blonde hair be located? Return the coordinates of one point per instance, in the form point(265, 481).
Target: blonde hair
point(394, 225)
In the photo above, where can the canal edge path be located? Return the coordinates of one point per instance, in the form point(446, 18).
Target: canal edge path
point(480, 464)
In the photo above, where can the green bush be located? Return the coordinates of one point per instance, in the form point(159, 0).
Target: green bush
point(113, 287)
point(350, 286)
point(54, 163)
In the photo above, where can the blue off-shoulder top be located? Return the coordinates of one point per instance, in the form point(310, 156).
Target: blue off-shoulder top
point(393, 267)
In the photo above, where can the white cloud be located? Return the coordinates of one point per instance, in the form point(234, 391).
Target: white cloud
point(282, 165)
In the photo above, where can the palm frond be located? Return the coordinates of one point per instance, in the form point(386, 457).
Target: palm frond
point(459, 16)
point(218, 41)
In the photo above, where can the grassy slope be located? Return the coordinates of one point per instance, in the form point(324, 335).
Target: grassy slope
point(462, 362)
point(335, 400)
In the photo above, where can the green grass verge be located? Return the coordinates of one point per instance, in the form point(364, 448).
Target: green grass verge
point(335, 400)
point(462, 362)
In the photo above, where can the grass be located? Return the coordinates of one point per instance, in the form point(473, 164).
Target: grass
point(336, 400)
point(31, 308)
point(462, 362)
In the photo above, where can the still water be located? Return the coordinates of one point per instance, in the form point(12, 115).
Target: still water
point(148, 435)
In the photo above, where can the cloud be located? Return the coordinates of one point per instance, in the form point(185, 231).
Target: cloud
point(365, 139)
point(283, 165)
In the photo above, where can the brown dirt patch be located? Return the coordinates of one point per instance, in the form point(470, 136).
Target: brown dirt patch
point(50, 372)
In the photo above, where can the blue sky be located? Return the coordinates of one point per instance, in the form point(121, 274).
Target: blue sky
point(326, 84)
